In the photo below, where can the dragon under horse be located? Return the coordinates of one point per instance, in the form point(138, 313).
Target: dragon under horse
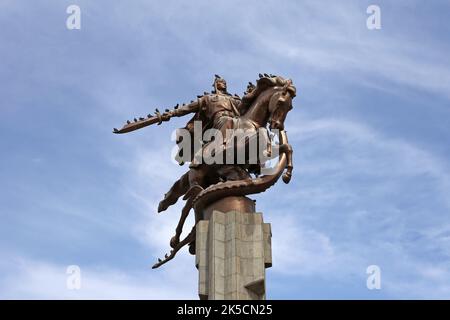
point(267, 103)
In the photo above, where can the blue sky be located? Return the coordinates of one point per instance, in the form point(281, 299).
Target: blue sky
point(369, 129)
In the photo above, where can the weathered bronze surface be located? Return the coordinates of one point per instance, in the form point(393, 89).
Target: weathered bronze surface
point(227, 204)
point(263, 105)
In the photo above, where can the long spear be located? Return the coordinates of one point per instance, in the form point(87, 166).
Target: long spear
point(158, 118)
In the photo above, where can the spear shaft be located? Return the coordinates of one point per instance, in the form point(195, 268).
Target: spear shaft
point(141, 123)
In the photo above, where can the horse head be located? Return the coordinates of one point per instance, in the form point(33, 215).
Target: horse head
point(270, 101)
point(280, 103)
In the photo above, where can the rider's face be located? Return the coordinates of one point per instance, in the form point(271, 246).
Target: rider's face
point(222, 85)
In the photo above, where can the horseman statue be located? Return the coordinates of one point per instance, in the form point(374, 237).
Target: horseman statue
point(219, 142)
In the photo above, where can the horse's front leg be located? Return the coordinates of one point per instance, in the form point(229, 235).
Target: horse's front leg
point(287, 149)
point(289, 166)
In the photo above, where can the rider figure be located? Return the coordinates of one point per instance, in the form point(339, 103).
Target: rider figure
point(217, 109)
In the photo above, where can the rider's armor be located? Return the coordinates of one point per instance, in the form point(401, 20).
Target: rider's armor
point(219, 108)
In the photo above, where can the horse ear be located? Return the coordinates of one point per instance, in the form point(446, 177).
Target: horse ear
point(292, 90)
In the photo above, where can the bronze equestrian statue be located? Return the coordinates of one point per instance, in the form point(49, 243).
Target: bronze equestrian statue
point(267, 103)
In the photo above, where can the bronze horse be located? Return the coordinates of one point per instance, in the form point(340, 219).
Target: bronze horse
point(269, 103)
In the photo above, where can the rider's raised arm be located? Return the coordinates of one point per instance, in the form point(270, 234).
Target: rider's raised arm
point(186, 109)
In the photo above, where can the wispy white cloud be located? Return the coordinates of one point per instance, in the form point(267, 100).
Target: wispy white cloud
point(352, 208)
point(363, 196)
point(298, 250)
point(36, 279)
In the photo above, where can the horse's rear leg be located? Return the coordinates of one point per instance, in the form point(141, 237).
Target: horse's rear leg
point(178, 189)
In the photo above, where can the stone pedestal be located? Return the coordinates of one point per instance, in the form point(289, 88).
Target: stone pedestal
point(233, 248)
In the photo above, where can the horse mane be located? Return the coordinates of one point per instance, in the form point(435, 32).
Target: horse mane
point(262, 84)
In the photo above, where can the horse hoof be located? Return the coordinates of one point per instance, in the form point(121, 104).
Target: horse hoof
point(286, 178)
point(174, 241)
point(192, 248)
point(162, 206)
